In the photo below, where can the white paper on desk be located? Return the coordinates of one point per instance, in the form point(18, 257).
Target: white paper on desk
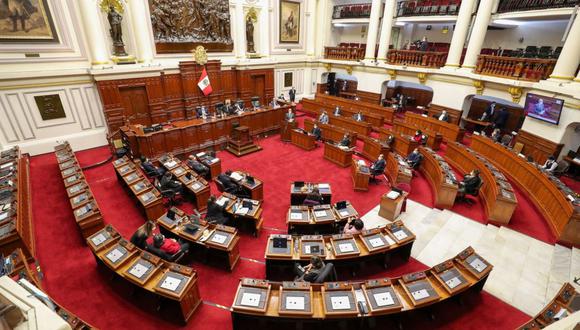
point(171, 163)
point(3, 216)
point(196, 185)
point(343, 213)
point(345, 247)
point(114, 255)
point(307, 249)
point(215, 160)
point(242, 210)
point(199, 154)
point(250, 299)
point(221, 201)
point(400, 235)
point(219, 238)
point(402, 163)
point(6, 165)
point(295, 303)
point(389, 240)
point(323, 186)
point(376, 242)
point(295, 215)
point(170, 283)
point(478, 265)
point(393, 194)
point(420, 294)
point(236, 176)
point(340, 302)
point(320, 213)
point(138, 270)
point(384, 299)
point(453, 282)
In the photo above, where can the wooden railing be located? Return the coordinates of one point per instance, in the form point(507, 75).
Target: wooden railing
point(427, 8)
point(506, 6)
point(344, 53)
point(530, 69)
point(362, 10)
point(416, 58)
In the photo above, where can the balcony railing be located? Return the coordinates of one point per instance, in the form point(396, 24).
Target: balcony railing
point(427, 8)
point(362, 10)
point(529, 69)
point(506, 6)
point(416, 58)
point(344, 53)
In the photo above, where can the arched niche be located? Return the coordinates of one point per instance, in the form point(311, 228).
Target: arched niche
point(474, 106)
point(571, 140)
point(419, 95)
point(338, 84)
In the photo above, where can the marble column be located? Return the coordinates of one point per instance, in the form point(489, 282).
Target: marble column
point(460, 33)
point(373, 30)
point(386, 29)
point(141, 31)
point(240, 27)
point(478, 33)
point(90, 19)
point(569, 58)
point(310, 27)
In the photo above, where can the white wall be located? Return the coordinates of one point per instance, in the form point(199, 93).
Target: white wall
point(539, 33)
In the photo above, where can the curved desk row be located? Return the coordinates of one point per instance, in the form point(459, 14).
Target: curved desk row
point(318, 219)
point(440, 176)
point(193, 135)
point(85, 208)
point(16, 225)
point(548, 193)
point(434, 139)
point(367, 108)
point(566, 302)
point(372, 148)
point(397, 170)
point(216, 244)
point(331, 132)
point(195, 185)
point(315, 107)
point(450, 132)
point(403, 144)
point(160, 286)
point(497, 194)
point(343, 250)
point(260, 304)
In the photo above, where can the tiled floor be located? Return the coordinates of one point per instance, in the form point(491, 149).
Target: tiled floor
point(527, 272)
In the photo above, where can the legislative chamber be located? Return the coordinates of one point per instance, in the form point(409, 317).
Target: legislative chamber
point(289, 164)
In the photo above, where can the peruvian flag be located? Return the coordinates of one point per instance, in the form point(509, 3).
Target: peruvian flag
point(204, 84)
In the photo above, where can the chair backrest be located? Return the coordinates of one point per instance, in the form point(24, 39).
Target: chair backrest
point(562, 167)
point(326, 272)
point(518, 146)
point(475, 191)
point(309, 202)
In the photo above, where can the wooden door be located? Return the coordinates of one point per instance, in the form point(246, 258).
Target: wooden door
point(259, 84)
point(135, 105)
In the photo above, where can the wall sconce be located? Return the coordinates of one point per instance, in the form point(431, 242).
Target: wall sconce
point(445, 29)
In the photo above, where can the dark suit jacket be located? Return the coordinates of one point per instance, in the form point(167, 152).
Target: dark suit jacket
point(316, 132)
point(150, 168)
point(445, 118)
point(292, 94)
point(501, 118)
point(169, 184)
point(470, 183)
point(215, 213)
point(198, 167)
point(228, 184)
point(490, 112)
point(345, 142)
point(379, 165)
point(414, 158)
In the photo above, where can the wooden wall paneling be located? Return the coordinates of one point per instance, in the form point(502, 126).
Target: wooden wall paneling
point(205, 135)
point(222, 130)
point(156, 95)
point(422, 97)
point(174, 141)
point(189, 80)
point(538, 147)
point(173, 96)
point(214, 72)
point(515, 119)
point(157, 145)
point(112, 105)
point(229, 84)
point(369, 97)
point(247, 80)
point(190, 134)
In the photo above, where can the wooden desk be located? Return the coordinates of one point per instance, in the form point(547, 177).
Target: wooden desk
point(393, 239)
point(566, 300)
point(351, 125)
point(360, 176)
point(496, 192)
point(210, 243)
point(318, 311)
point(454, 115)
point(196, 187)
point(547, 193)
point(476, 123)
point(302, 139)
point(298, 194)
point(213, 163)
point(286, 128)
point(118, 260)
point(440, 177)
point(339, 156)
point(195, 135)
point(320, 219)
point(330, 132)
point(316, 107)
point(251, 219)
point(403, 144)
point(372, 148)
point(450, 132)
point(434, 139)
point(254, 189)
point(390, 209)
point(368, 109)
point(397, 170)
point(16, 223)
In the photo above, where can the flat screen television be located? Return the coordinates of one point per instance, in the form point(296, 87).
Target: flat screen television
point(544, 108)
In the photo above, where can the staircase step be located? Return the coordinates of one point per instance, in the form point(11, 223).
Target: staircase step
point(559, 270)
point(575, 267)
point(424, 230)
point(436, 250)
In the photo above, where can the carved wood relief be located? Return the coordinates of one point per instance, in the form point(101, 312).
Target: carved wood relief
point(181, 25)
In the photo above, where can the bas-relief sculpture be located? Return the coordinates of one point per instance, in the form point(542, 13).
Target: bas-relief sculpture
point(180, 25)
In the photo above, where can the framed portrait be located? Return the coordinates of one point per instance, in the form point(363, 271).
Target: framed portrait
point(289, 22)
point(50, 106)
point(288, 79)
point(26, 21)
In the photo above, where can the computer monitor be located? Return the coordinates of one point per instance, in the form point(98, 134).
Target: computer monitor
point(148, 130)
point(255, 101)
point(171, 214)
point(240, 103)
point(219, 107)
point(341, 205)
point(247, 204)
point(299, 184)
point(280, 242)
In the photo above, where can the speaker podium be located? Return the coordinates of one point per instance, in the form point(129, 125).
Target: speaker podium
point(240, 143)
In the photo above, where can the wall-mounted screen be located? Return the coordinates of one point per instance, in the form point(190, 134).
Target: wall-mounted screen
point(544, 108)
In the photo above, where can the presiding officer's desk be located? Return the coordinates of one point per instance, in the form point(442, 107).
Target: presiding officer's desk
point(450, 132)
point(566, 302)
point(194, 135)
point(162, 287)
point(440, 176)
point(330, 132)
point(397, 169)
point(299, 191)
point(319, 219)
point(403, 144)
point(262, 304)
point(16, 225)
point(546, 191)
point(341, 156)
point(215, 244)
point(496, 192)
point(343, 250)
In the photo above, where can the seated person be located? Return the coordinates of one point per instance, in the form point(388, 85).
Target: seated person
point(506, 139)
point(314, 198)
point(316, 132)
point(150, 168)
point(290, 116)
point(201, 112)
point(414, 158)
point(311, 271)
point(167, 183)
point(469, 184)
point(336, 111)
point(496, 135)
point(281, 97)
point(355, 226)
point(168, 245)
point(418, 137)
point(229, 185)
point(443, 116)
point(238, 110)
point(228, 108)
point(389, 140)
point(530, 158)
point(358, 116)
point(139, 238)
point(345, 142)
point(215, 212)
point(274, 104)
point(379, 165)
point(550, 165)
point(197, 166)
point(323, 118)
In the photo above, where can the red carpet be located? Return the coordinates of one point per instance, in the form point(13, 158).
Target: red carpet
point(70, 270)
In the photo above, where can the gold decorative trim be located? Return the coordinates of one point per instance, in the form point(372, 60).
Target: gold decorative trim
point(381, 58)
point(100, 62)
point(348, 69)
point(52, 84)
point(452, 65)
point(577, 79)
point(422, 76)
point(369, 58)
point(468, 66)
point(328, 66)
point(452, 81)
point(392, 73)
point(479, 86)
point(561, 77)
point(516, 93)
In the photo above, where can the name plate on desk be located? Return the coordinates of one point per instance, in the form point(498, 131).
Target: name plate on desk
point(170, 283)
point(383, 299)
point(345, 247)
point(116, 254)
point(340, 303)
point(320, 213)
point(99, 238)
point(295, 215)
point(250, 299)
point(420, 294)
